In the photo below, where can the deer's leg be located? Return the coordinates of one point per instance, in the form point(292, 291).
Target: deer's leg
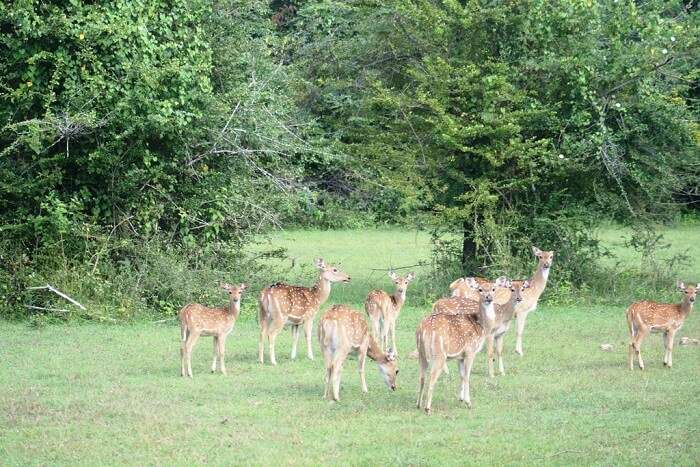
point(327, 386)
point(670, 335)
point(215, 340)
point(423, 365)
point(519, 330)
point(489, 353)
point(462, 375)
point(189, 345)
point(393, 337)
point(637, 344)
point(335, 377)
point(436, 367)
point(468, 362)
point(308, 331)
point(499, 354)
point(261, 340)
point(273, 330)
point(361, 359)
point(221, 342)
point(183, 354)
point(295, 340)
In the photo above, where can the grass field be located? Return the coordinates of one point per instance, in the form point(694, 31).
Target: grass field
point(87, 394)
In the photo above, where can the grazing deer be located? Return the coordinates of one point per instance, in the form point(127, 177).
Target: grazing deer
point(198, 320)
point(442, 336)
point(383, 309)
point(342, 330)
point(530, 297)
point(282, 304)
point(645, 316)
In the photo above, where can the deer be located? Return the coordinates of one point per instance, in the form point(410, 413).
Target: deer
point(441, 337)
point(198, 320)
point(383, 309)
point(504, 315)
point(281, 304)
point(531, 296)
point(342, 330)
point(646, 316)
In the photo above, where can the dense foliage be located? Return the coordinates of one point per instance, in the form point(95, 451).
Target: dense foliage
point(182, 128)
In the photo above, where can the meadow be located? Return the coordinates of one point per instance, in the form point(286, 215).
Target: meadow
point(111, 394)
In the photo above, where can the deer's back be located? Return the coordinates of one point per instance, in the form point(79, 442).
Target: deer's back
point(655, 314)
point(456, 333)
point(348, 321)
point(205, 319)
point(457, 305)
point(293, 300)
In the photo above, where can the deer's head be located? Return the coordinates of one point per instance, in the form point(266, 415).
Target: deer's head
point(388, 367)
point(235, 292)
point(690, 291)
point(516, 289)
point(330, 272)
point(487, 290)
point(401, 282)
point(545, 257)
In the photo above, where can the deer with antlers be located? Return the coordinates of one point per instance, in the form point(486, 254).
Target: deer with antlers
point(281, 304)
point(531, 296)
point(198, 320)
point(646, 316)
point(341, 331)
point(441, 337)
point(383, 309)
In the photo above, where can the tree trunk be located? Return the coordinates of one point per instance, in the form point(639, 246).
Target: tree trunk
point(468, 248)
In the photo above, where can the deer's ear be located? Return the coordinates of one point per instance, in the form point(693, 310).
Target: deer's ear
point(680, 285)
point(536, 251)
point(319, 263)
point(390, 355)
point(411, 275)
point(243, 286)
point(503, 281)
point(471, 282)
point(526, 285)
point(393, 275)
point(456, 283)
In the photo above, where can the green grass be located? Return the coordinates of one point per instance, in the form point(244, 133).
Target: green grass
point(683, 239)
point(96, 394)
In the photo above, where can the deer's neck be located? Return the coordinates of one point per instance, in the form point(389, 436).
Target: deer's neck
point(374, 351)
point(539, 281)
point(399, 298)
point(686, 307)
point(234, 308)
point(322, 289)
point(487, 315)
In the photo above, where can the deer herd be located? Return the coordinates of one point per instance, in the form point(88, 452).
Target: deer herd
point(478, 312)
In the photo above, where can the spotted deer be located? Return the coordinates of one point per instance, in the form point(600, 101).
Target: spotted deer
point(531, 296)
point(198, 320)
point(441, 337)
point(646, 316)
point(341, 331)
point(281, 304)
point(504, 315)
point(383, 309)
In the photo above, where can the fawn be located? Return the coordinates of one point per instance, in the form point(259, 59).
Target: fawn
point(198, 320)
point(342, 330)
point(531, 296)
point(282, 304)
point(504, 315)
point(646, 316)
point(442, 336)
point(383, 309)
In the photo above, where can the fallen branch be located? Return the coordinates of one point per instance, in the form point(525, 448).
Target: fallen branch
point(420, 263)
point(59, 293)
point(62, 310)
